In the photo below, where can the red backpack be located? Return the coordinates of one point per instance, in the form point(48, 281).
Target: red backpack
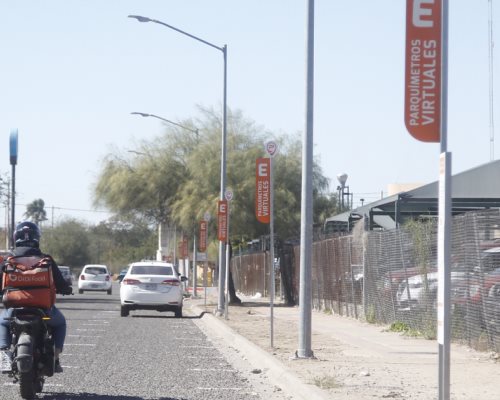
point(28, 282)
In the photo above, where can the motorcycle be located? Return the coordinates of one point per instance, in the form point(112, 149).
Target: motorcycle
point(32, 348)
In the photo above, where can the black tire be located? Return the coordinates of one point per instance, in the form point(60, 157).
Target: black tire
point(124, 311)
point(39, 384)
point(110, 291)
point(178, 312)
point(27, 385)
point(80, 291)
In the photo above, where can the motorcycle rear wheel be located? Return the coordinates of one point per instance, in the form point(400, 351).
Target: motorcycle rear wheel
point(28, 385)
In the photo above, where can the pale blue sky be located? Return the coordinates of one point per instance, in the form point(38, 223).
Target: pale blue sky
point(72, 71)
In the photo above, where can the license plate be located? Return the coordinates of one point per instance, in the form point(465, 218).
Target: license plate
point(150, 286)
point(94, 286)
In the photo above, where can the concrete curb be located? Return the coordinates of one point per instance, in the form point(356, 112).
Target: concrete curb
point(277, 372)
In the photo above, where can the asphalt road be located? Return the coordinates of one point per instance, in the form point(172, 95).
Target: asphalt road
point(148, 355)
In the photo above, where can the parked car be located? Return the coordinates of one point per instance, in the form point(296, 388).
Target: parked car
point(121, 275)
point(389, 284)
point(151, 285)
point(417, 290)
point(66, 273)
point(94, 277)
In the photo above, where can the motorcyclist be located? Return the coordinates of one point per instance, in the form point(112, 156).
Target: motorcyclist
point(27, 240)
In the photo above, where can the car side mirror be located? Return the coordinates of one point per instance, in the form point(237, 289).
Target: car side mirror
point(183, 278)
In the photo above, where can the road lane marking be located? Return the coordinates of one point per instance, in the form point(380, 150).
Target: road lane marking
point(80, 344)
point(83, 336)
point(90, 330)
point(211, 369)
point(206, 357)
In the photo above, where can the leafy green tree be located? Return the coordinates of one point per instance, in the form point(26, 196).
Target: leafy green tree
point(117, 243)
point(35, 211)
point(176, 178)
point(68, 242)
point(143, 185)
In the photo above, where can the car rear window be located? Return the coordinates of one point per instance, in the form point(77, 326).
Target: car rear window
point(95, 270)
point(151, 270)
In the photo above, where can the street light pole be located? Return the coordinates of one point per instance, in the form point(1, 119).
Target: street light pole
point(223, 49)
point(305, 292)
point(195, 131)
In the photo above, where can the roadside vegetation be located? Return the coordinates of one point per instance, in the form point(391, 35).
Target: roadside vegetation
point(174, 179)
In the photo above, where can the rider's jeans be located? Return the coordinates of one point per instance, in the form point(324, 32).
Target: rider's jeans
point(57, 322)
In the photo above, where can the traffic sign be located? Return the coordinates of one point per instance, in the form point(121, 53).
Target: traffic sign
point(222, 212)
point(423, 69)
point(263, 190)
point(202, 243)
point(271, 148)
point(228, 194)
point(13, 146)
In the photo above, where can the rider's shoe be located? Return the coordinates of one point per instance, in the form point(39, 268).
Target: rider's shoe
point(5, 360)
point(58, 369)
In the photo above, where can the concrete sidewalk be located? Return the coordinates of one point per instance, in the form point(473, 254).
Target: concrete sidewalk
point(353, 360)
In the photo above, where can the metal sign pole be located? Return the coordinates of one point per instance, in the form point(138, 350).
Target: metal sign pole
point(444, 228)
point(195, 274)
point(228, 196)
point(226, 309)
point(271, 149)
point(271, 245)
point(13, 162)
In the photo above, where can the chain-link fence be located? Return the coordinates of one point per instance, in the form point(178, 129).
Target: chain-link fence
point(391, 277)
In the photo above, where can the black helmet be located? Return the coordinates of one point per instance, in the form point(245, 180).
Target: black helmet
point(27, 234)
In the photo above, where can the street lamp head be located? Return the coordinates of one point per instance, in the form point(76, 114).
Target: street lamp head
point(342, 178)
point(141, 114)
point(140, 19)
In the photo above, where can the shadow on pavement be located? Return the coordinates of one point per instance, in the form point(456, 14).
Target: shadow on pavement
point(94, 396)
point(259, 304)
point(78, 300)
point(170, 316)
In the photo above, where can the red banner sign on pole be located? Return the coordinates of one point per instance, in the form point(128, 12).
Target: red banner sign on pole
point(423, 69)
point(183, 247)
point(202, 246)
point(222, 210)
point(262, 190)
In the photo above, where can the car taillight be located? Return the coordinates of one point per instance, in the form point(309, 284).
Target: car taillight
point(130, 281)
point(107, 277)
point(171, 282)
point(82, 277)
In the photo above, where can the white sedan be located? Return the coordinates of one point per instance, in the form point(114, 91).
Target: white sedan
point(151, 285)
point(94, 277)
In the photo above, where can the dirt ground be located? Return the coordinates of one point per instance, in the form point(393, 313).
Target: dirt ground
point(356, 360)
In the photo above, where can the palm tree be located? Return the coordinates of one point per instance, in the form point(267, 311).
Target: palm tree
point(35, 211)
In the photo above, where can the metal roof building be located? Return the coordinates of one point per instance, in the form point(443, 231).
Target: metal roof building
point(474, 189)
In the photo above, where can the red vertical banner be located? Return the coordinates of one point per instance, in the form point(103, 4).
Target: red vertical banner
point(202, 241)
point(423, 69)
point(222, 210)
point(183, 247)
point(262, 190)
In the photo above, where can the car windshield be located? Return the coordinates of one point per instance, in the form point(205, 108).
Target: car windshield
point(65, 271)
point(95, 270)
point(151, 270)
